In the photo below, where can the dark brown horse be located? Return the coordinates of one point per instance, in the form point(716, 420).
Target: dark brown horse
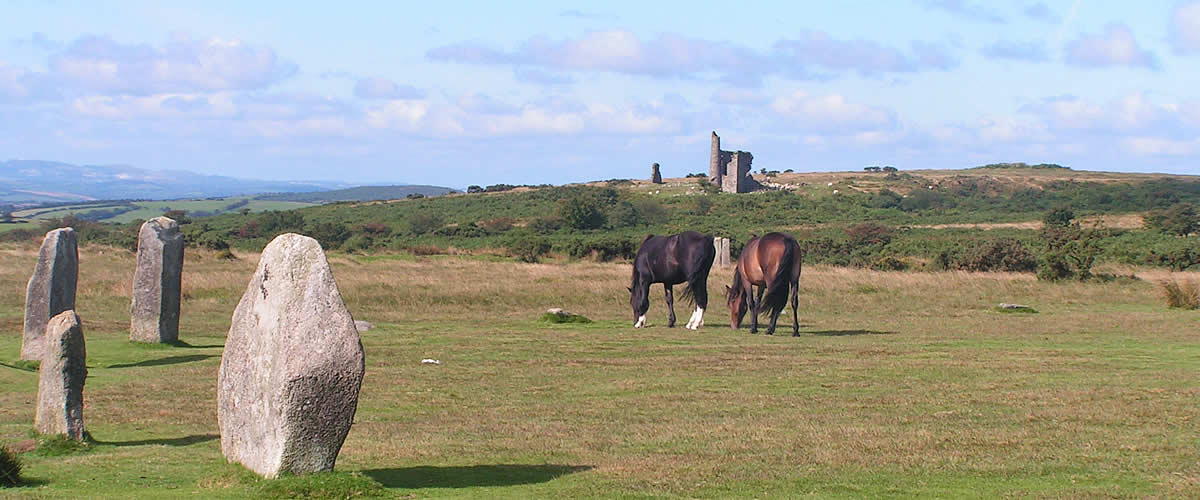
point(772, 263)
point(682, 258)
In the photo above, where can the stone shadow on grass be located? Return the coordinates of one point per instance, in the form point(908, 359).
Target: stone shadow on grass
point(180, 441)
point(842, 333)
point(469, 476)
point(185, 345)
point(169, 360)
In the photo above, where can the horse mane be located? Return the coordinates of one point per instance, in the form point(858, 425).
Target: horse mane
point(737, 283)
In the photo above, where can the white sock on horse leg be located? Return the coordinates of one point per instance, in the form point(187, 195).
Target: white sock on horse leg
point(641, 321)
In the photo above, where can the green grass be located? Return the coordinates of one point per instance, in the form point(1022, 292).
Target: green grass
point(900, 385)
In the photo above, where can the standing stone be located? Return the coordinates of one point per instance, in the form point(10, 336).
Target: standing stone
point(292, 367)
point(157, 283)
point(655, 175)
point(721, 245)
point(60, 378)
point(51, 288)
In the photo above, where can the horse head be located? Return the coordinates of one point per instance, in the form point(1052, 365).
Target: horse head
point(735, 298)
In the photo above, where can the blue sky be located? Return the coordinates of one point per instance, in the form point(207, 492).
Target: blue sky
point(459, 93)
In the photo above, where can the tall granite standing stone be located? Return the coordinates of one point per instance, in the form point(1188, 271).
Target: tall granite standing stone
point(292, 367)
point(157, 282)
point(722, 247)
point(51, 288)
point(655, 175)
point(60, 379)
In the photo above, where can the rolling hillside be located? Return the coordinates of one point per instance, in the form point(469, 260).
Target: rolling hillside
point(24, 181)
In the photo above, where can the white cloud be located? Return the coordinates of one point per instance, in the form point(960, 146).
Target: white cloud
point(23, 86)
point(157, 106)
point(477, 115)
point(1185, 28)
point(376, 87)
point(675, 56)
point(1162, 147)
point(1123, 114)
point(100, 64)
point(1115, 47)
point(831, 112)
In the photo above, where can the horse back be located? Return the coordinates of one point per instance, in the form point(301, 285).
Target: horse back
point(673, 259)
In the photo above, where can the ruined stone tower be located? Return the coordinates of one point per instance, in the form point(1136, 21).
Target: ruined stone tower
point(730, 170)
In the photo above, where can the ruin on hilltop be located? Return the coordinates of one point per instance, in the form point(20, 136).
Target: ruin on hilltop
point(730, 170)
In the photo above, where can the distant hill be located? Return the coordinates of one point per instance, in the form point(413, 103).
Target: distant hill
point(25, 181)
point(360, 193)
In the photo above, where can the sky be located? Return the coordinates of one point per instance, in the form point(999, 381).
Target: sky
point(460, 93)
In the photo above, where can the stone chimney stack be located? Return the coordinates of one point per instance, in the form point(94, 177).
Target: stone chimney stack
point(714, 160)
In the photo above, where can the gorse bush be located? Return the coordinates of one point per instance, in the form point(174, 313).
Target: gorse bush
point(1180, 219)
point(528, 247)
point(1003, 254)
point(1181, 295)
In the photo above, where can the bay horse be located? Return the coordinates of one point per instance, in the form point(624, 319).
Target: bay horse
point(682, 258)
point(771, 262)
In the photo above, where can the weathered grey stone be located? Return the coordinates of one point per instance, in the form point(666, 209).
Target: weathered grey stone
point(157, 282)
point(51, 288)
point(722, 247)
point(60, 378)
point(655, 175)
point(362, 326)
point(292, 366)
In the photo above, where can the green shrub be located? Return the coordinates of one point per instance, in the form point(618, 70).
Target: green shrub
point(357, 243)
point(329, 234)
point(603, 248)
point(528, 247)
point(1053, 267)
point(545, 225)
point(650, 211)
point(889, 263)
point(1005, 254)
point(1185, 295)
point(622, 214)
point(1180, 219)
point(10, 468)
point(583, 212)
point(422, 223)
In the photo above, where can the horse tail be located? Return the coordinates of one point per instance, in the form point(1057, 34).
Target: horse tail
point(696, 291)
point(777, 294)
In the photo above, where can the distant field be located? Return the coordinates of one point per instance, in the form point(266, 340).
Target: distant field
point(155, 208)
point(148, 209)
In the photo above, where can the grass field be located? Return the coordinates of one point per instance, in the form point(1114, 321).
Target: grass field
point(901, 384)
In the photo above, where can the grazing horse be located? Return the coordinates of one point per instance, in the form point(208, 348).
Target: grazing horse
point(771, 262)
point(682, 258)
